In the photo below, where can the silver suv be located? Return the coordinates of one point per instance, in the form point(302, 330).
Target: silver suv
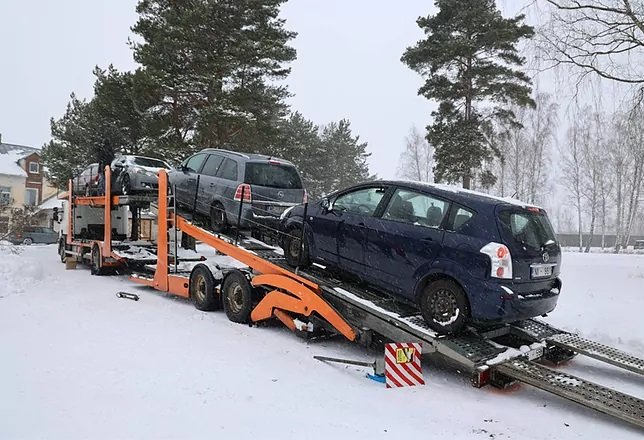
point(214, 182)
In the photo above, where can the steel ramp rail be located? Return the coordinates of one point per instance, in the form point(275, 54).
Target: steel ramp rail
point(537, 330)
point(598, 351)
point(589, 394)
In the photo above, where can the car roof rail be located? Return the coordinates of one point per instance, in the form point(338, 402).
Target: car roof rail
point(229, 151)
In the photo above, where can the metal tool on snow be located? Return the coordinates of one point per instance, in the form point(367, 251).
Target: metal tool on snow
point(132, 296)
point(378, 366)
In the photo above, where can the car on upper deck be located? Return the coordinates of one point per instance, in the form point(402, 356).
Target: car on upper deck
point(216, 183)
point(460, 256)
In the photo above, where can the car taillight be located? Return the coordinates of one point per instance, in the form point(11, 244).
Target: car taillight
point(96, 178)
point(501, 260)
point(245, 189)
point(305, 197)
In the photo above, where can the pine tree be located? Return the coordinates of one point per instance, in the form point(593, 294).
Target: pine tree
point(216, 64)
point(299, 142)
point(70, 150)
point(116, 115)
point(344, 156)
point(470, 60)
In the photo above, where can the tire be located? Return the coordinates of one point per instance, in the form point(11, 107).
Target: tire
point(62, 247)
point(237, 297)
point(444, 306)
point(95, 265)
point(126, 185)
point(202, 289)
point(28, 241)
point(218, 219)
point(292, 247)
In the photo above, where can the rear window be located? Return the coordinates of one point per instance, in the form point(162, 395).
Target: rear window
point(272, 175)
point(149, 162)
point(531, 229)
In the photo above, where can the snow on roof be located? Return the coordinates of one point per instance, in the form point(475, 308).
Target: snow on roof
point(51, 203)
point(458, 189)
point(10, 154)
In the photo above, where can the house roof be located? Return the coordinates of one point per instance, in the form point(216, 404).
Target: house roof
point(10, 154)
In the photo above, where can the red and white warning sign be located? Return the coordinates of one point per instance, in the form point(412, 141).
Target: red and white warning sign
point(402, 365)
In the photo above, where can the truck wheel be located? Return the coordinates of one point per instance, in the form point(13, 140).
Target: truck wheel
point(202, 289)
point(95, 268)
point(237, 297)
point(293, 247)
point(62, 247)
point(444, 306)
point(218, 219)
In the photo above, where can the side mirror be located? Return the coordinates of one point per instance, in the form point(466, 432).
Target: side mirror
point(325, 204)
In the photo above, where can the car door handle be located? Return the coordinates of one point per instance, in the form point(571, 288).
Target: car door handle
point(428, 239)
point(212, 184)
point(361, 224)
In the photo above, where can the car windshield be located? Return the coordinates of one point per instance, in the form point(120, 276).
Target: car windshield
point(273, 175)
point(149, 162)
point(530, 228)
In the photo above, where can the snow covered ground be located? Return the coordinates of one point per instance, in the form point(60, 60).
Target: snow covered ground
point(76, 362)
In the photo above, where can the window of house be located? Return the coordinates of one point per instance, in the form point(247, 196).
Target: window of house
point(5, 195)
point(34, 167)
point(31, 197)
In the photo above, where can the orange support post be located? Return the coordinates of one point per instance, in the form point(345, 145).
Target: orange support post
point(107, 230)
point(161, 272)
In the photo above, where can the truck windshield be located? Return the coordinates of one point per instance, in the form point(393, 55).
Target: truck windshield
point(530, 228)
point(272, 175)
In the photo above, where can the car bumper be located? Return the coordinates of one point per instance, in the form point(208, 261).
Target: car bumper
point(254, 217)
point(495, 302)
point(142, 182)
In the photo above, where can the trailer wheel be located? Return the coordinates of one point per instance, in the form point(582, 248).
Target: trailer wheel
point(95, 267)
point(444, 306)
point(237, 297)
point(202, 289)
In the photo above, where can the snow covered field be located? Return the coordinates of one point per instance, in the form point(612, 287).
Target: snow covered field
point(77, 363)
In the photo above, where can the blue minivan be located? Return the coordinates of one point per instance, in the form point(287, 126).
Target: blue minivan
point(460, 256)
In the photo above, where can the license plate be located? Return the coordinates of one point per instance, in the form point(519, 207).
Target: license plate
point(535, 353)
point(541, 271)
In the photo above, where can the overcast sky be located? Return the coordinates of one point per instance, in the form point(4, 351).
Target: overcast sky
point(348, 64)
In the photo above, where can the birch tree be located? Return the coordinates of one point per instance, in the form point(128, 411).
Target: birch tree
point(417, 160)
